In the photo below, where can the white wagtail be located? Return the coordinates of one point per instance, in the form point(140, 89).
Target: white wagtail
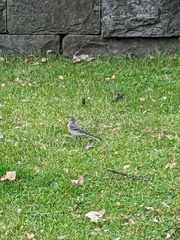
point(76, 130)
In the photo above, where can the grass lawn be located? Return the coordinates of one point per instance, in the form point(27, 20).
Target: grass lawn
point(140, 137)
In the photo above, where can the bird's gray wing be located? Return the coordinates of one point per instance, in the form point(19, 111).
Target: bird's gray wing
point(76, 127)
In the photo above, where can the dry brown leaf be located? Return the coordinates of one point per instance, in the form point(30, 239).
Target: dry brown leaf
point(95, 216)
point(89, 145)
point(164, 134)
point(170, 165)
point(129, 220)
point(79, 181)
point(30, 235)
point(25, 61)
point(10, 176)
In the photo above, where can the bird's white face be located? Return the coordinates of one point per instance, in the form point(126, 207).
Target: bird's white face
point(70, 118)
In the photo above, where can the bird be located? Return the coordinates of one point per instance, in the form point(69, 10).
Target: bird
point(76, 130)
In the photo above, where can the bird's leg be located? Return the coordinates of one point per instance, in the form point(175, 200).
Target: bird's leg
point(76, 138)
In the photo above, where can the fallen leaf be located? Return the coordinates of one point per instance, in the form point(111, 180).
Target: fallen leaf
point(127, 219)
point(164, 134)
point(89, 145)
point(126, 166)
point(61, 237)
point(2, 59)
point(142, 99)
point(44, 59)
point(155, 220)
point(49, 51)
point(76, 59)
point(150, 57)
point(145, 111)
point(82, 57)
point(170, 165)
point(25, 61)
point(10, 176)
point(35, 63)
point(30, 235)
point(19, 210)
point(61, 77)
point(37, 170)
point(79, 181)
point(17, 80)
point(1, 136)
point(95, 216)
point(169, 234)
point(149, 208)
point(65, 170)
point(165, 204)
point(94, 233)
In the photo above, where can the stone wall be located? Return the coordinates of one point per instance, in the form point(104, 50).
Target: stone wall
point(95, 27)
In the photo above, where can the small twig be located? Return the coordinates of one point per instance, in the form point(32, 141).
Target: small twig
point(125, 174)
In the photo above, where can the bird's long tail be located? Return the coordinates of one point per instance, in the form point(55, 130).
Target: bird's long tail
point(89, 134)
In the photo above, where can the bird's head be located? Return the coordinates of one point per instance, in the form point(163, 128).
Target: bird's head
point(71, 118)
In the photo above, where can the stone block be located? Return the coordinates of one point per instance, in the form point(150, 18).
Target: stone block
point(24, 44)
point(98, 46)
point(2, 16)
point(135, 18)
point(53, 16)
